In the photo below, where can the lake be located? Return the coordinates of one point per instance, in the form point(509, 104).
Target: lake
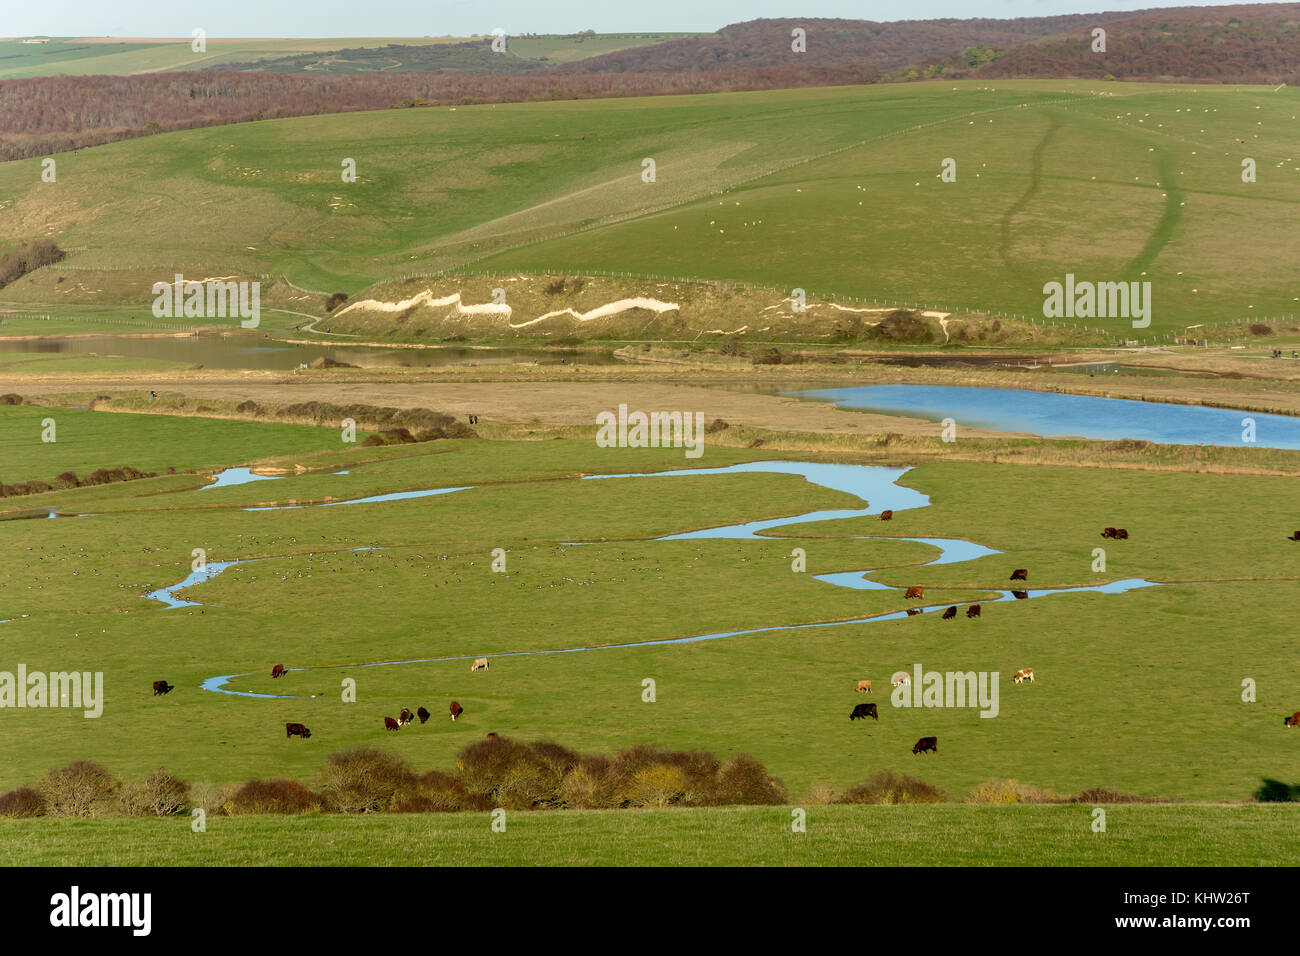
point(1052, 415)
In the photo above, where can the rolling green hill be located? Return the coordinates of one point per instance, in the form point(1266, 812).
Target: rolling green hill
point(835, 190)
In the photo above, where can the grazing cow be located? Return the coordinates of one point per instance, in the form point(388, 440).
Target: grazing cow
point(973, 611)
point(405, 717)
point(1293, 720)
point(456, 710)
point(1025, 674)
point(390, 724)
point(886, 515)
point(1108, 533)
point(926, 743)
point(864, 685)
point(298, 730)
point(161, 687)
point(913, 610)
point(1294, 537)
point(915, 592)
point(864, 711)
point(1122, 534)
point(949, 614)
point(277, 670)
point(1020, 595)
point(902, 677)
point(1020, 574)
point(422, 714)
point(479, 665)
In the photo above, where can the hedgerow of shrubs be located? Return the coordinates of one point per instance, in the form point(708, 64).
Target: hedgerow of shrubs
point(497, 772)
point(100, 476)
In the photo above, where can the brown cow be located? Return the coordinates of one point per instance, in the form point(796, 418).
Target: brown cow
point(1020, 595)
point(299, 730)
point(456, 710)
point(864, 711)
point(973, 611)
point(949, 614)
point(422, 714)
point(1025, 674)
point(886, 515)
point(926, 743)
point(277, 670)
point(1294, 537)
point(863, 685)
point(1108, 533)
point(1293, 720)
point(913, 610)
point(405, 717)
point(479, 665)
point(162, 687)
point(390, 724)
point(1020, 574)
point(916, 591)
point(1121, 533)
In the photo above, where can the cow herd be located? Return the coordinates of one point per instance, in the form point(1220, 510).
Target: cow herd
point(931, 744)
point(293, 729)
point(406, 717)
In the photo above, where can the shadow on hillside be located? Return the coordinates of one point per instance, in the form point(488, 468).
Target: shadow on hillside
point(1275, 791)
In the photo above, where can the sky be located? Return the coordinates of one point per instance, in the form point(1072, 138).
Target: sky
point(417, 18)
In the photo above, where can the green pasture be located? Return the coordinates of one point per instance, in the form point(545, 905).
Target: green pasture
point(835, 190)
point(1140, 692)
point(720, 836)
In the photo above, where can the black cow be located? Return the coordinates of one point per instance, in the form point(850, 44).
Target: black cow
point(422, 714)
point(1020, 574)
point(926, 743)
point(1294, 537)
point(864, 711)
point(1020, 595)
point(973, 611)
point(949, 614)
point(291, 730)
point(162, 687)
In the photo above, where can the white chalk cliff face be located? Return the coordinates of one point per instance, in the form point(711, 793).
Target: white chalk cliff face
point(492, 308)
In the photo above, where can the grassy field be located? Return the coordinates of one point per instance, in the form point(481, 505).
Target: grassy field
point(1139, 692)
point(729, 836)
point(834, 190)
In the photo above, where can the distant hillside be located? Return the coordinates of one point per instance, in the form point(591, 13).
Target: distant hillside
point(1254, 43)
point(832, 43)
point(473, 55)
